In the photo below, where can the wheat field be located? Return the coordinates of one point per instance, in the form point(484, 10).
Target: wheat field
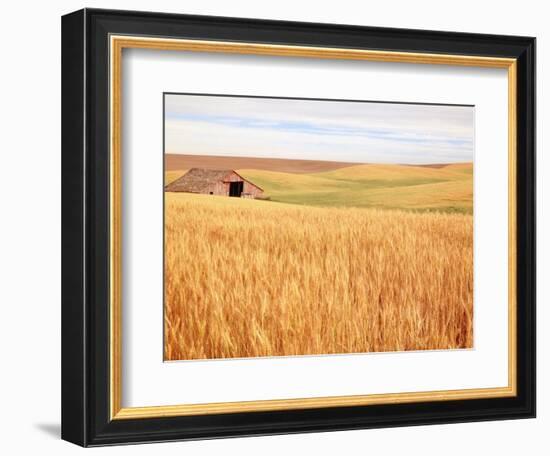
point(247, 278)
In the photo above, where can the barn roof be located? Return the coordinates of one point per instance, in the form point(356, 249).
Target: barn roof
point(197, 180)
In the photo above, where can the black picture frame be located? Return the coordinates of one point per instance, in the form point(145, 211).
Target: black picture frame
point(85, 228)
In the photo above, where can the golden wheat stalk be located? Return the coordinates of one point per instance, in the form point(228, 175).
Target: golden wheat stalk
point(250, 278)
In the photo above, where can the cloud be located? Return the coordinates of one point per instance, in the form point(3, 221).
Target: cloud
point(318, 130)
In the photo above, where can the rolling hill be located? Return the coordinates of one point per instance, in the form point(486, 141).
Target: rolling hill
point(442, 188)
point(174, 162)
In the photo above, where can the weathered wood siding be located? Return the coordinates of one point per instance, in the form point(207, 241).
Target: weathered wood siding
point(218, 188)
point(251, 191)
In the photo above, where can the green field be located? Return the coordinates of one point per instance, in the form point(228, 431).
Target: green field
point(444, 189)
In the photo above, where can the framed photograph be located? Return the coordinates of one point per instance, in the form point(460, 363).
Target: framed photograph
point(278, 227)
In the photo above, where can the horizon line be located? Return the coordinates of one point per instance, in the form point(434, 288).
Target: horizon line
point(327, 161)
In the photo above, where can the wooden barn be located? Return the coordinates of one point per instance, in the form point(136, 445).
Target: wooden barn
point(223, 182)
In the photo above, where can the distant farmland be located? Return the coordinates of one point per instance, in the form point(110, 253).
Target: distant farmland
point(174, 162)
point(442, 188)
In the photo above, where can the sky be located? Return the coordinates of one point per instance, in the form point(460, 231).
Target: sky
point(358, 132)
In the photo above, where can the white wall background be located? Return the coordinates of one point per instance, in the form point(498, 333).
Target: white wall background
point(30, 226)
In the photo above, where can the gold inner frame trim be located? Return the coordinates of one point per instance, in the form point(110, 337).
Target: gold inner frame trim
point(117, 44)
